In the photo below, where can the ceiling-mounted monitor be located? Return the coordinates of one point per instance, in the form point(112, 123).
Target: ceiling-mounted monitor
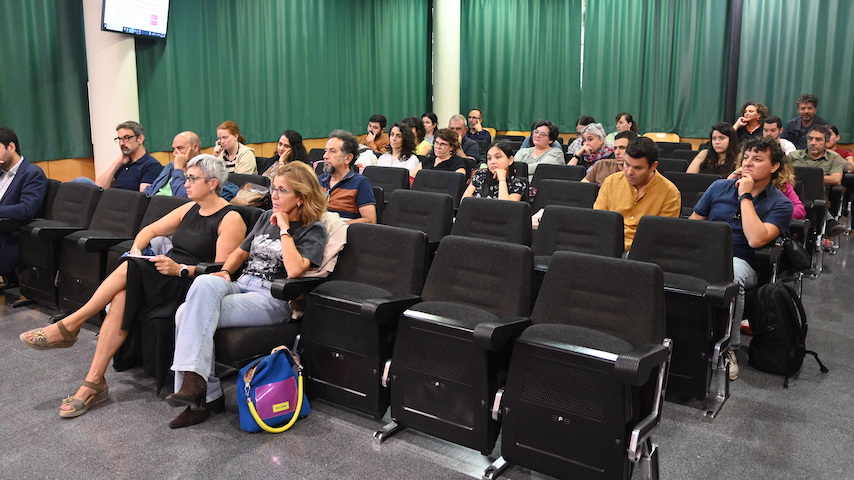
point(144, 18)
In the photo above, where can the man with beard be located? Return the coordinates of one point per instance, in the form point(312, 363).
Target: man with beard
point(817, 155)
point(798, 127)
point(350, 194)
point(134, 169)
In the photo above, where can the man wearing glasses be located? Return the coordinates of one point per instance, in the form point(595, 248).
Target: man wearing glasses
point(135, 169)
point(476, 131)
point(350, 194)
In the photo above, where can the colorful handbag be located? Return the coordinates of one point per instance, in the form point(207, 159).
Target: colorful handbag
point(270, 393)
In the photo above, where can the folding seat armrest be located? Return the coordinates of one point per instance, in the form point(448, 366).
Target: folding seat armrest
point(53, 232)
point(495, 335)
point(292, 288)
point(208, 267)
point(387, 309)
point(721, 294)
point(634, 367)
point(769, 254)
point(8, 225)
point(97, 243)
point(799, 227)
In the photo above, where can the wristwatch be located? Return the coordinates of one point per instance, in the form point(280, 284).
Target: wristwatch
point(747, 195)
point(185, 271)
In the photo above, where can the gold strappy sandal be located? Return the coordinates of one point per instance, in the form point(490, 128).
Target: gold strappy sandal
point(79, 407)
point(39, 340)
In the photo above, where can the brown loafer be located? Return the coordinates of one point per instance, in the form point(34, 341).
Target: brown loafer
point(194, 417)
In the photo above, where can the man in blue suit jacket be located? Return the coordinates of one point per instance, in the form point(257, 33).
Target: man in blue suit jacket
point(22, 190)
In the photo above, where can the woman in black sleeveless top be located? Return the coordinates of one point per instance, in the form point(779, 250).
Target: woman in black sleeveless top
point(203, 230)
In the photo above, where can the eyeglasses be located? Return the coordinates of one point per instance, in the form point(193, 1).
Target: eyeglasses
point(191, 179)
point(279, 192)
point(476, 118)
point(440, 144)
point(537, 133)
point(125, 139)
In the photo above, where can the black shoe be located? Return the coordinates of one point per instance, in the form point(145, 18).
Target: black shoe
point(191, 416)
point(833, 228)
point(193, 391)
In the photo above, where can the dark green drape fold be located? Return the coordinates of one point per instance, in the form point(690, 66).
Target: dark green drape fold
point(270, 65)
point(43, 95)
point(663, 61)
point(520, 61)
point(803, 46)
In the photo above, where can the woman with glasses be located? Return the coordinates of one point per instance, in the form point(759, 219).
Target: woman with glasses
point(593, 149)
point(204, 230)
point(446, 144)
point(284, 243)
point(230, 148)
point(543, 133)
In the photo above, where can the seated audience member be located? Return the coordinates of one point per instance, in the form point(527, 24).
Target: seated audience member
point(798, 127)
point(289, 149)
point(204, 230)
point(608, 166)
point(749, 124)
point(719, 159)
point(784, 180)
point(476, 131)
point(625, 123)
point(543, 133)
point(422, 146)
point(817, 155)
point(170, 181)
point(498, 179)
point(468, 147)
point(594, 147)
point(833, 146)
point(446, 145)
point(582, 122)
point(401, 146)
point(230, 148)
point(22, 189)
point(431, 124)
point(757, 211)
point(526, 143)
point(639, 189)
point(135, 169)
point(284, 243)
point(774, 129)
point(376, 138)
point(349, 194)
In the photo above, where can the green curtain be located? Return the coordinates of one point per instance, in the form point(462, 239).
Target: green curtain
point(520, 61)
point(663, 61)
point(43, 95)
point(271, 65)
point(799, 46)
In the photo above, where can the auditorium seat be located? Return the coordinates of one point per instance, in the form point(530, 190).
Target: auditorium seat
point(566, 193)
point(431, 213)
point(491, 219)
point(437, 181)
point(558, 172)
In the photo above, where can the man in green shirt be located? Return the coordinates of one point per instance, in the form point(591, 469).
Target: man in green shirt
point(817, 155)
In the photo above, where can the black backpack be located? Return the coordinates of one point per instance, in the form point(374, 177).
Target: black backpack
point(779, 326)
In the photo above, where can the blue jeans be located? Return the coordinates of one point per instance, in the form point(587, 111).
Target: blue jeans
point(745, 277)
point(212, 303)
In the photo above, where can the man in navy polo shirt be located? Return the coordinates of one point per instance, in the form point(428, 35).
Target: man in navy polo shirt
point(757, 211)
point(134, 169)
point(350, 194)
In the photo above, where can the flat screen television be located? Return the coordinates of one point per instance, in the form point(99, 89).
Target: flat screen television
point(144, 18)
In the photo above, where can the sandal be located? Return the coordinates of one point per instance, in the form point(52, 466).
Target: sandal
point(39, 340)
point(79, 407)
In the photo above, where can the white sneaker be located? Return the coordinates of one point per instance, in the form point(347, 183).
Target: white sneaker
point(733, 364)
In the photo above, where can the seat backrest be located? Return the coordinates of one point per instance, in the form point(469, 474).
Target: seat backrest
point(691, 185)
point(379, 197)
point(315, 154)
point(387, 257)
point(565, 192)
point(581, 230)
point(74, 204)
point(119, 212)
point(660, 137)
point(452, 183)
point(683, 154)
point(521, 169)
point(492, 276)
point(389, 178)
point(500, 220)
point(669, 147)
point(558, 172)
point(813, 180)
point(700, 249)
point(241, 179)
point(250, 215)
point(510, 138)
point(623, 298)
point(431, 213)
point(49, 196)
point(672, 165)
point(159, 206)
